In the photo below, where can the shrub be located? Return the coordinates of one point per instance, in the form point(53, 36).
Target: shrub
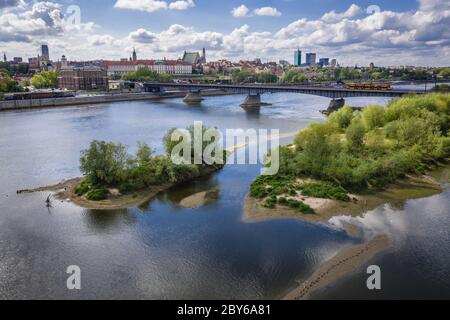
point(373, 117)
point(83, 187)
point(355, 135)
point(341, 118)
point(97, 194)
point(324, 190)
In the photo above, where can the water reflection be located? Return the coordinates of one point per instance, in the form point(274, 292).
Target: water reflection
point(106, 220)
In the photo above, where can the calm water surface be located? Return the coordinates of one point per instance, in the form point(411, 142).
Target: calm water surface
point(161, 250)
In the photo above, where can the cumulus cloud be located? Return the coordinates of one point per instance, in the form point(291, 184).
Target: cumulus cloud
point(267, 11)
point(351, 12)
point(12, 4)
point(240, 12)
point(142, 36)
point(181, 5)
point(154, 5)
point(350, 36)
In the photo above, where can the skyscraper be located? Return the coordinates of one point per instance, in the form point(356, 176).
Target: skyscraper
point(324, 61)
point(297, 58)
point(45, 55)
point(311, 59)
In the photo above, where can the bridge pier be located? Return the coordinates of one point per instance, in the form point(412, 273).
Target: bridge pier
point(253, 101)
point(335, 105)
point(193, 97)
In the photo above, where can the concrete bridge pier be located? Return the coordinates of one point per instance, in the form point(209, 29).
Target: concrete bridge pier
point(252, 101)
point(335, 105)
point(193, 97)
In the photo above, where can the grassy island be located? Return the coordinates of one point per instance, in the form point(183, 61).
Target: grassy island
point(114, 179)
point(355, 152)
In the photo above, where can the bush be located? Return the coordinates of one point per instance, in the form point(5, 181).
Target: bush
point(373, 117)
point(83, 187)
point(324, 190)
point(300, 206)
point(341, 118)
point(97, 194)
point(355, 135)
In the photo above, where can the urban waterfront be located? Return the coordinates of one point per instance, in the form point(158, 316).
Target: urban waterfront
point(162, 251)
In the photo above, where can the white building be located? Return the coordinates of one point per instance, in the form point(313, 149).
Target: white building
point(117, 69)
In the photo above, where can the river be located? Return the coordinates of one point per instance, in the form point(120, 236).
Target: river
point(163, 251)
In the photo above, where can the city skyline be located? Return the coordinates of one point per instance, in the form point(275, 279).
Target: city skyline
point(401, 33)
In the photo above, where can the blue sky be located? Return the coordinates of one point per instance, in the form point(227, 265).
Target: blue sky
point(397, 33)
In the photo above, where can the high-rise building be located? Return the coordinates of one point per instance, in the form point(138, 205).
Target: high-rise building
point(311, 59)
point(333, 63)
point(297, 58)
point(45, 54)
point(324, 61)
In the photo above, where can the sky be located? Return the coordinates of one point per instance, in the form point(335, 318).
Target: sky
point(386, 32)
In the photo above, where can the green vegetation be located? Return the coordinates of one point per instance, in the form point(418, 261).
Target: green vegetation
point(145, 74)
point(108, 165)
point(359, 150)
point(324, 190)
point(300, 206)
point(294, 76)
point(45, 80)
point(7, 84)
point(252, 77)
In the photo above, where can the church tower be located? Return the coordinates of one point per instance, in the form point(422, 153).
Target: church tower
point(134, 54)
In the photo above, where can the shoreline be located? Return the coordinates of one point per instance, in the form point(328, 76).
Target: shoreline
point(65, 191)
point(412, 187)
point(12, 105)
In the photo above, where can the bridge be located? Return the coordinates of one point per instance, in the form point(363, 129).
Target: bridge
point(254, 91)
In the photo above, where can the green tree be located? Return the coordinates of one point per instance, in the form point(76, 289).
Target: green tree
point(355, 135)
point(45, 80)
point(104, 163)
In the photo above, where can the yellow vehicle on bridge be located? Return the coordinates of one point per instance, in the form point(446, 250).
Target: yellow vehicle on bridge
point(369, 86)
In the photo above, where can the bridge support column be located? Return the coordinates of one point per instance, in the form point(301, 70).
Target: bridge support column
point(252, 101)
point(335, 105)
point(193, 97)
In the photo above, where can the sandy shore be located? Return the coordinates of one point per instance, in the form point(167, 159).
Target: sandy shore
point(65, 191)
point(353, 257)
point(198, 199)
point(344, 263)
point(414, 187)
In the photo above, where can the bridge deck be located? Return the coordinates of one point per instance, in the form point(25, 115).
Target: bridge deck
point(324, 91)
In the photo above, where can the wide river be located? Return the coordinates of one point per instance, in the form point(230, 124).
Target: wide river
point(163, 251)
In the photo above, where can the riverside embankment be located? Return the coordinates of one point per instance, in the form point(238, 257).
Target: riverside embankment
point(96, 99)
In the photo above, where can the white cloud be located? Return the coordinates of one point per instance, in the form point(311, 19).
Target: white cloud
point(181, 5)
point(154, 5)
point(351, 12)
point(142, 36)
point(385, 37)
point(240, 12)
point(12, 4)
point(267, 11)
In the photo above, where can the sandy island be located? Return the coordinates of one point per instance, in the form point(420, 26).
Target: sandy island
point(352, 257)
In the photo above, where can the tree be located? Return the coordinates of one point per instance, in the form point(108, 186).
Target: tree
point(7, 84)
point(355, 135)
point(104, 163)
point(45, 80)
